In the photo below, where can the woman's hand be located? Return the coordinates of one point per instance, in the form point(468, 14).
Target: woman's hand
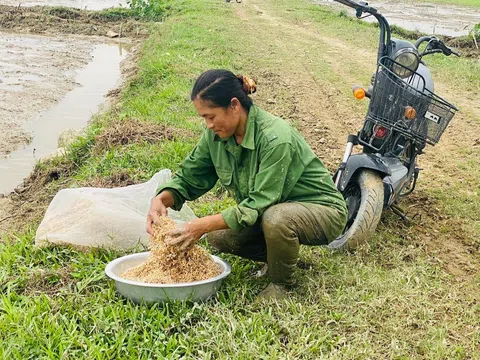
point(192, 231)
point(158, 208)
point(187, 235)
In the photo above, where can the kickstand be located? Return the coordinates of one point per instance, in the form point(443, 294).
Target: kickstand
point(397, 210)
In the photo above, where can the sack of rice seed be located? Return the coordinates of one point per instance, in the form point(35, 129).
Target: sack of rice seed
point(107, 218)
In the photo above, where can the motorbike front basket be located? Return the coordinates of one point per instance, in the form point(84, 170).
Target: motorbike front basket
point(406, 105)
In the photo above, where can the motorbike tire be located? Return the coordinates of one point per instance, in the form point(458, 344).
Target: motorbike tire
point(363, 222)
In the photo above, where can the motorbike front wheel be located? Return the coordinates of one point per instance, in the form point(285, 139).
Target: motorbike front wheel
point(364, 197)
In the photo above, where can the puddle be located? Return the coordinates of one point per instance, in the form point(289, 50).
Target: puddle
point(73, 111)
point(78, 4)
point(450, 20)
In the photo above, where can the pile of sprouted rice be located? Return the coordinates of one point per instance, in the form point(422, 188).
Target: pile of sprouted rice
point(169, 264)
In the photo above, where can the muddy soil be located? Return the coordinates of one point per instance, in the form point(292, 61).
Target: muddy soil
point(71, 113)
point(35, 72)
point(38, 71)
point(55, 21)
point(77, 4)
point(449, 20)
point(29, 201)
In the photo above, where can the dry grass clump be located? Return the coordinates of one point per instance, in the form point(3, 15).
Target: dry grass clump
point(131, 131)
point(169, 265)
point(118, 179)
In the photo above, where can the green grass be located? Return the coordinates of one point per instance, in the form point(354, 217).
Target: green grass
point(139, 160)
point(154, 10)
point(57, 303)
point(392, 299)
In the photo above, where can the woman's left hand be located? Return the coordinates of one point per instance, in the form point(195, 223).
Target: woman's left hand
point(186, 236)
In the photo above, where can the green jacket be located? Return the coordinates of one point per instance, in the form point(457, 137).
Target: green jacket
point(273, 164)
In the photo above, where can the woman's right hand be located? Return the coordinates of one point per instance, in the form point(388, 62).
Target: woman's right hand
point(157, 208)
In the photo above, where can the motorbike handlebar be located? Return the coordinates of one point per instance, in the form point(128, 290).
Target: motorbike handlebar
point(421, 40)
point(428, 52)
point(435, 45)
point(446, 50)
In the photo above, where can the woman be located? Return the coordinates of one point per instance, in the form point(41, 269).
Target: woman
point(284, 194)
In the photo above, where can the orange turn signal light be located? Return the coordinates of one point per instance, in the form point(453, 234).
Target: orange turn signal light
point(410, 112)
point(358, 92)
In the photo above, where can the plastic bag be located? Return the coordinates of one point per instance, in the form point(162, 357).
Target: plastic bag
point(107, 218)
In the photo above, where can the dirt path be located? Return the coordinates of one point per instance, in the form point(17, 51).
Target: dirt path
point(320, 107)
point(310, 84)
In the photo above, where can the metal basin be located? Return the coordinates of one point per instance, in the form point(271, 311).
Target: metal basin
point(144, 292)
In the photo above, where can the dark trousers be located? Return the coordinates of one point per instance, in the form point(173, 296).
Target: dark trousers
point(276, 238)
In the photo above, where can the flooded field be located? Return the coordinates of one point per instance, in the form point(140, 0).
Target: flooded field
point(428, 18)
point(79, 4)
point(73, 111)
point(35, 73)
point(49, 84)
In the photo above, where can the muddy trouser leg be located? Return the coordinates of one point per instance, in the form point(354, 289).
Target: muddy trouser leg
point(286, 226)
point(248, 243)
point(277, 238)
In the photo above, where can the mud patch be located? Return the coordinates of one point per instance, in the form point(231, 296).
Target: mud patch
point(440, 235)
point(54, 21)
point(465, 43)
point(427, 18)
point(5, 214)
point(72, 112)
point(27, 203)
point(450, 23)
point(287, 96)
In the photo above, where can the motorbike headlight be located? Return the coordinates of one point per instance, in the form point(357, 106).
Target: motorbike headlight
point(409, 60)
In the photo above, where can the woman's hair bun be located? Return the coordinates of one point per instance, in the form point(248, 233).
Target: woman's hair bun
point(249, 85)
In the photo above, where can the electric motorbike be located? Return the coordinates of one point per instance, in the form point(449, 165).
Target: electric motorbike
point(404, 116)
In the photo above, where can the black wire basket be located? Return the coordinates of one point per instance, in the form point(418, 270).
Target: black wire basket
point(406, 105)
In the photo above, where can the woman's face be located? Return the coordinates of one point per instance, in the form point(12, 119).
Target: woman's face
point(223, 122)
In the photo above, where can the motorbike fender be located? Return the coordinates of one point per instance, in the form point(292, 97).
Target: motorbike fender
point(395, 182)
point(362, 161)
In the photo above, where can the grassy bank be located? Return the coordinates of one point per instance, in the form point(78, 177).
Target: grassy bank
point(395, 298)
